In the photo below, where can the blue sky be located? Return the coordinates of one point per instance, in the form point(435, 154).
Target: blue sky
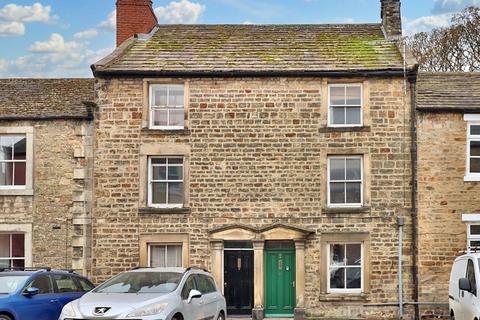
point(61, 38)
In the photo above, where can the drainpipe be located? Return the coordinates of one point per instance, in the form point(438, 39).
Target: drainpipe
point(414, 212)
point(401, 223)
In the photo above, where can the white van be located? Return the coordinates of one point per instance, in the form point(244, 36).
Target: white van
point(464, 299)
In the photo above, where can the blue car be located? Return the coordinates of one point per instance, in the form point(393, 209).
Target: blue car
point(38, 294)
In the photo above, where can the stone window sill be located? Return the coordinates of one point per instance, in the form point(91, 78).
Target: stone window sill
point(185, 131)
point(471, 178)
point(347, 297)
point(16, 192)
point(345, 129)
point(363, 209)
point(164, 210)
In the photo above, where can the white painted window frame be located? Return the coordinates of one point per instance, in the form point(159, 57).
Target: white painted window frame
point(14, 162)
point(469, 176)
point(11, 258)
point(151, 181)
point(362, 269)
point(471, 237)
point(25, 229)
point(27, 189)
point(330, 106)
point(345, 205)
point(166, 245)
point(152, 108)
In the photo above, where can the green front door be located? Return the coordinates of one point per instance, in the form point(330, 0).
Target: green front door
point(279, 282)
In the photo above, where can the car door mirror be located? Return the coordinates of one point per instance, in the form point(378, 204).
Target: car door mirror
point(30, 292)
point(194, 294)
point(464, 284)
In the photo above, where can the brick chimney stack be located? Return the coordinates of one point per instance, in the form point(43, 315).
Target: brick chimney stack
point(133, 17)
point(391, 18)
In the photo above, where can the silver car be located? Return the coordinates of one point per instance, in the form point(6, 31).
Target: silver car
point(152, 294)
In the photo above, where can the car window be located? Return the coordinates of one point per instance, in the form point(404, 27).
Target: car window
point(42, 283)
point(65, 284)
point(204, 284)
point(85, 284)
point(142, 282)
point(187, 287)
point(471, 276)
point(10, 283)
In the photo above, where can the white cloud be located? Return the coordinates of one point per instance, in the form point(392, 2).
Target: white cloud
point(183, 11)
point(426, 23)
point(86, 34)
point(12, 29)
point(3, 65)
point(111, 23)
point(55, 44)
point(34, 13)
point(448, 6)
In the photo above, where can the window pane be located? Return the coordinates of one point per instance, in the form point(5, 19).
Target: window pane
point(42, 283)
point(6, 174)
point(4, 245)
point(353, 115)
point(354, 171)
point(175, 192)
point(19, 263)
point(337, 255)
point(159, 160)
point(176, 117)
point(18, 245)
point(175, 172)
point(475, 229)
point(174, 256)
point(175, 160)
point(475, 148)
point(337, 169)
point(86, 286)
point(160, 96)
point(354, 192)
point(337, 278)
point(19, 147)
point(354, 94)
point(65, 284)
point(338, 115)
point(159, 193)
point(354, 253)
point(6, 151)
point(20, 169)
point(176, 96)
point(160, 117)
point(354, 278)
point(159, 173)
point(337, 96)
point(475, 130)
point(475, 165)
point(337, 192)
point(157, 256)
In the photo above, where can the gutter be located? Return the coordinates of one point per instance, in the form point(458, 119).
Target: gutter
point(239, 73)
point(447, 109)
point(89, 117)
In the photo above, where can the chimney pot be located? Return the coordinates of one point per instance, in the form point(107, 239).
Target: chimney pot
point(133, 17)
point(391, 18)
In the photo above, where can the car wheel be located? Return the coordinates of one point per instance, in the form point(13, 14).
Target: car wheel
point(4, 317)
point(221, 316)
point(452, 316)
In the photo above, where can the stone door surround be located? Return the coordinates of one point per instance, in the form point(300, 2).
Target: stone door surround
point(258, 236)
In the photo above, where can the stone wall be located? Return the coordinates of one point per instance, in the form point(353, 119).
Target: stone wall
point(50, 210)
point(443, 197)
point(258, 156)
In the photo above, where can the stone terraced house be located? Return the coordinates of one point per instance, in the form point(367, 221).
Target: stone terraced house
point(278, 157)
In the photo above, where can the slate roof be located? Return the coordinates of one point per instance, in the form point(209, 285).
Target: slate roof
point(252, 49)
point(46, 98)
point(448, 91)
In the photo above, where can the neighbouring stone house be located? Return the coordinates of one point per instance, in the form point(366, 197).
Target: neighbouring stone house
point(45, 160)
point(448, 138)
point(278, 157)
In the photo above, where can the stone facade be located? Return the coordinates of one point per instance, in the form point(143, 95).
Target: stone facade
point(257, 156)
point(49, 214)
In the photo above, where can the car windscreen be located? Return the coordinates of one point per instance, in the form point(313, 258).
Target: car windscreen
point(10, 283)
point(141, 282)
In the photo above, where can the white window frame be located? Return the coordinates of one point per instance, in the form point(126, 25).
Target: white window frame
point(469, 176)
point(166, 245)
point(471, 237)
point(362, 269)
point(150, 182)
point(152, 108)
point(330, 106)
point(345, 205)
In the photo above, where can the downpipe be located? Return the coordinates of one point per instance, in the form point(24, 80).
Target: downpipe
point(401, 223)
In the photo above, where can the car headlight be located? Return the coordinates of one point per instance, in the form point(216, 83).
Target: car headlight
point(68, 310)
point(149, 310)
